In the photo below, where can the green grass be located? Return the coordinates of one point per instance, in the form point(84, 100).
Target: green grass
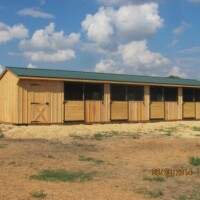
point(157, 178)
point(63, 176)
point(156, 194)
point(195, 128)
point(182, 198)
point(39, 194)
point(89, 159)
point(98, 136)
point(2, 146)
point(135, 136)
point(84, 145)
point(2, 135)
point(168, 131)
point(194, 161)
point(106, 134)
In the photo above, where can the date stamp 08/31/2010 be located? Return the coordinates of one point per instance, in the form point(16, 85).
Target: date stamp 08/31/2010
point(175, 171)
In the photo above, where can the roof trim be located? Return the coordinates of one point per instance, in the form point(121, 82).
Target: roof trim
point(67, 75)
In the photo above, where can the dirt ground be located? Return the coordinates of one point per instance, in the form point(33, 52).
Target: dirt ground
point(129, 153)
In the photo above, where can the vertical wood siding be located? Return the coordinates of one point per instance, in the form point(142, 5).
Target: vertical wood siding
point(98, 111)
point(45, 97)
point(136, 111)
point(171, 110)
point(180, 103)
point(197, 110)
point(8, 98)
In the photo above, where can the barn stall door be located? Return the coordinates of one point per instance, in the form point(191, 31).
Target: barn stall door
point(157, 106)
point(39, 103)
point(189, 108)
point(119, 103)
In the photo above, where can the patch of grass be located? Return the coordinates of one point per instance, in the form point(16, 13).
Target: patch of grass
point(89, 159)
point(2, 135)
point(182, 198)
point(2, 146)
point(112, 133)
point(197, 135)
point(168, 131)
point(157, 178)
point(156, 194)
point(135, 136)
point(39, 194)
point(50, 156)
point(195, 128)
point(63, 176)
point(194, 161)
point(98, 136)
point(85, 145)
point(79, 137)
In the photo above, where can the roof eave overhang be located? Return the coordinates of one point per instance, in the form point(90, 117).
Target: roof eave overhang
point(104, 81)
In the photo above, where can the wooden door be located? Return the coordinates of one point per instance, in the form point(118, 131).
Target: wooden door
point(157, 110)
point(39, 103)
point(189, 110)
point(119, 110)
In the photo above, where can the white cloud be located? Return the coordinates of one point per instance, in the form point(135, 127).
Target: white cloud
point(183, 27)
point(124, 2)
point(108, 27)
point(59, 56)
point(190, 50)
point(176, 71)
point(137, 55)
point(173, 42)
point(35, 13)
point(1, 68)
point(46, 45)
point(31, 66)
point(108, 66)
point(7, 33)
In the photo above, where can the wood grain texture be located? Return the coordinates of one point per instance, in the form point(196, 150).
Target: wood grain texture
point(171, 110)
point(45, 97)
point(189, 110)
point(119, 110)
point(157, 110)
point(136, 111)
point(197, 110)
point(8, 98)
point(74, 111)
point(180, 103)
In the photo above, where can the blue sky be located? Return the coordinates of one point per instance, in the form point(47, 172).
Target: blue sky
point(145, 37)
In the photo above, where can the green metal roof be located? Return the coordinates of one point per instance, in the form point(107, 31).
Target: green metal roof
point(66, 74)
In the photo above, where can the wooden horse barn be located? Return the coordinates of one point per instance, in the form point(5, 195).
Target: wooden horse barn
point(32, 96)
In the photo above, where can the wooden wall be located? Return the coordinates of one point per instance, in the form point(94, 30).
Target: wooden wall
point(8, 98)
point(74, 111)
point(189, 110)
point(136, 111)
point(171, 110)
point(197, 110)
point(157, 110)
point(98, 111)
point(119, 110)
point(43, 98)
point(180, 103)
